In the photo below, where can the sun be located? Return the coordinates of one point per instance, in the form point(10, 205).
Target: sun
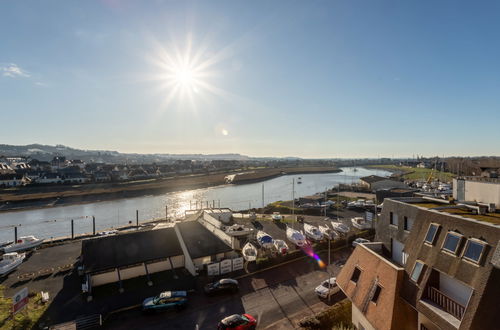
point(185, 76)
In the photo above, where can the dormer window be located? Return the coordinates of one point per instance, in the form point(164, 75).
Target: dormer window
point(431, 233)
point(474, 250)
point(452, 242)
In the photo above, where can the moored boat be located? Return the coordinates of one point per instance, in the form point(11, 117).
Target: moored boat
point(23, 243)
point(295, 236)
point(360, 223)
point(313, 232)
point(340, 227)
point(10, 261)
point(249, 252)
point(327, 232)
point(281, 246)
point(264, 239)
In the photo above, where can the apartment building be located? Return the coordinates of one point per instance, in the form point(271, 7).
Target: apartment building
point(435, 265)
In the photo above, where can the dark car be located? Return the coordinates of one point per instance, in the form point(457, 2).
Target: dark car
point(224, 285)
point(238, 322)
point(165, 301)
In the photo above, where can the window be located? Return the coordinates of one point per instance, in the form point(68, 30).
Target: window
point(376, 294)
point(474, 250)
point(431, 233)
point(408, 224)
point(451, 242)
point(417, 270)
point(393, 218)
point(356, 274)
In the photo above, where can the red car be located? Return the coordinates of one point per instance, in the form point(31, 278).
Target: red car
point(238, 322)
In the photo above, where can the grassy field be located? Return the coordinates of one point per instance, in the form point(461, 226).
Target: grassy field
point(23, 320)
point(417, 174)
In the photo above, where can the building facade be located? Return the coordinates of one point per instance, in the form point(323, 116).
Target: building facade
point(450, 261)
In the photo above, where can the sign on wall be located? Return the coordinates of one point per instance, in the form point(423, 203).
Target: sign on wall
point(237, 264)
point(213, 269)
point(226, 266)
point(20, 300)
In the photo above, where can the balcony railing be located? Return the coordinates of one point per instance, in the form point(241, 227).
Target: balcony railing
point(446, 303)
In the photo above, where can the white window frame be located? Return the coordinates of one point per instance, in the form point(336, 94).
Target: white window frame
point(483, 243)
point(435, 233)
point(420, 273)
point(453, 233)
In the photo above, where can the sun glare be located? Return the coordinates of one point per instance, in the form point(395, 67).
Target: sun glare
point(186, 76)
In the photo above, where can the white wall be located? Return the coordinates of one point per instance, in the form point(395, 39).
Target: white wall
point(359, 320)
point(397, 252)
point(132, 272)
point(104, 278)
point(158, 266)
point(454, 289)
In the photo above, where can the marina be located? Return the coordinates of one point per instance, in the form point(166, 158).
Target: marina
point(55, 222)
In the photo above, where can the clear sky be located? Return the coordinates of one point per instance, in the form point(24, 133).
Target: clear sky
point(262, 78)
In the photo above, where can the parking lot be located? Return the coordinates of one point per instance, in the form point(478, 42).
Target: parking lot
point(279, 298)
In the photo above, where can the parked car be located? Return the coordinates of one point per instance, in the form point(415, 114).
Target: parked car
point(238, 322)
point(223, 285)
point(359, 241)
point(165, 301)
point(327, 288)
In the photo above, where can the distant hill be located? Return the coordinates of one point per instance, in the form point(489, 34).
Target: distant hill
point(47, 152)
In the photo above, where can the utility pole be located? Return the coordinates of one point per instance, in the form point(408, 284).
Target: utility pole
point(263, 204)
point(293, 201)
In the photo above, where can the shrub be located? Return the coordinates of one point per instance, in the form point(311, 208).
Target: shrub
point(336, 317)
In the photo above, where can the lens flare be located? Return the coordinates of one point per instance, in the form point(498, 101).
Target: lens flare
point(308, 249)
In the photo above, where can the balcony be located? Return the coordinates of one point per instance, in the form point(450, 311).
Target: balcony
point(446, 303)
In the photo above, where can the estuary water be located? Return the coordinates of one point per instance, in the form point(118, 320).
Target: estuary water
point(56, 221)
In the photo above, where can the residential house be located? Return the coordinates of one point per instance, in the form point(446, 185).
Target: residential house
point(444, 263)
point(49, 178)
point(11, 180)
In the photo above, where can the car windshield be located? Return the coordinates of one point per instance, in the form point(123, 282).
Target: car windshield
point(326, 284)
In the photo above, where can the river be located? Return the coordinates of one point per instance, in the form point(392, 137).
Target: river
point(56, 221)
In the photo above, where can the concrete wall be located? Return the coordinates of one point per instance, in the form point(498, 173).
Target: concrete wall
point(213, 225)
point(132, 272)
point(477, 191)
point(104, 278)
point(159, 266)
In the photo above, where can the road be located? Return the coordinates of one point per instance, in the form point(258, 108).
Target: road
point(278, 298)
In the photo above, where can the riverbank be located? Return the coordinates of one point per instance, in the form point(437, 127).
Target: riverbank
point(414, 173)
point(34, 197)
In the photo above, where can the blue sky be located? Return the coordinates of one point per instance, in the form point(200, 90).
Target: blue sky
point(266, 78)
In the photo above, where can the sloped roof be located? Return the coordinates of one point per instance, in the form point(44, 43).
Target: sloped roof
point(373, 178)
point(375, 270)
point(199, 241)
point(128, 249)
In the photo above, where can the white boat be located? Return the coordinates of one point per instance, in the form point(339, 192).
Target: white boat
point(276, 216)
point(237, 230)
point(10, 261)
point(23, 243)
point(295, 236)
point(340, 227)
point(360, 223)
point(249, 252)
point(264, 239)
point(281, 246)
point(327, 232)
point(313, 232)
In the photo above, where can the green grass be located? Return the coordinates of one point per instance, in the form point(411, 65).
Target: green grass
point(414, 173)
point(25, 319)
